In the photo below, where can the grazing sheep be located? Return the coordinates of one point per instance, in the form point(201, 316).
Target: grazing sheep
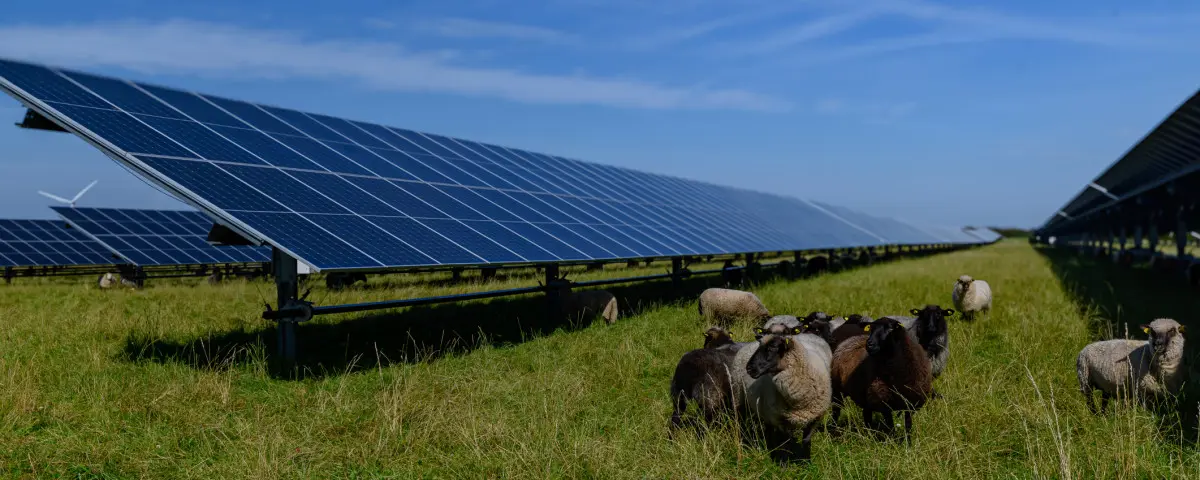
point(215, 278)
point(971, 296)
point(852, 326)
point(591, 302)
point(819, 325)
point(884, 371)
point(778, 324)
point(1149, 370)
point(929, 329)
point(791, 390)
point(724, 306)
point(702, 376)
point(107, 280)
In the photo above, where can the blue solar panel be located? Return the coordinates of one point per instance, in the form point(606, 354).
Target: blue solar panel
point(340, 194)
point(48, 243)
point(158, 237)
point(893, 232)
point(985, 234)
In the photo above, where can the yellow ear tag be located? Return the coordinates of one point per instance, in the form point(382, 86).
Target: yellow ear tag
point(1147, 329)
point(866, 328)
point(758, 330)
point(796, 330)
point(1181, 329)
point(787, 341)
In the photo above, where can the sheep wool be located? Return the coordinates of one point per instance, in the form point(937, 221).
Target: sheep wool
point(971, 296)
point(792, 390)
point(882, 372)
point(778, 324)
point(1149, 370)
point(724, 306)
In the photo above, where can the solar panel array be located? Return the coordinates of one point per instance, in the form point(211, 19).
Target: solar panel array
point(158, 237)
point(48, 243)
point(340, 194)
point(985, 234)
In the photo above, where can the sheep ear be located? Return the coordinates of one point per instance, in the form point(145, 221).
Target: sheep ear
point(867, 327)
point(787, 341)
point(1181, 329)
point(915, 311)
point(758, 331)
point(796, 330)
point(948, 312)
point(1146, 328)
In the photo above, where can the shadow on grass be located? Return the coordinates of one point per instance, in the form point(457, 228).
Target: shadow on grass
point(1127, 297)
point(411, 335)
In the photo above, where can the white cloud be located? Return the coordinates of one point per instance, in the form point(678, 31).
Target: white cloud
point(453, 27)
point(187, 47)
point(805, 32)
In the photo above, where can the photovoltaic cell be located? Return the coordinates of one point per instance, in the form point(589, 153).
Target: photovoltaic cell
point(49, 243)
point(342, 194)
point(157, 237)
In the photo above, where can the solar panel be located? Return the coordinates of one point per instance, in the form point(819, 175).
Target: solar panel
point(48, 243)
point(340, 194)
point(158, 237)
point(985, 234)
point(893, 232)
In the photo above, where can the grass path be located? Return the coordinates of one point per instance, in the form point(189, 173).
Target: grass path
point(589, 402)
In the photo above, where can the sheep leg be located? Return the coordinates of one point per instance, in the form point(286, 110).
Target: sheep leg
point(1088, 398)
point(1103, 402)
point(908, 427)
point(783, 445)
point(869, 418)
point(806, 442)
point(889, 421)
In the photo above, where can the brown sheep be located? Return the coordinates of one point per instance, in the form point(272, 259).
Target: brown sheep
point(702, 376)
point(883, 371)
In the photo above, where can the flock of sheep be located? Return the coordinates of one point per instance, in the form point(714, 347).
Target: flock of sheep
point(797, 369)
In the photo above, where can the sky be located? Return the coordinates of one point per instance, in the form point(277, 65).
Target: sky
point(963, 113)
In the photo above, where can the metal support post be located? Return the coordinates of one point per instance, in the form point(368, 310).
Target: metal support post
point(287, 292)
point(1152, 238)
point(553, 297)
point(677, 272)
point(487, 273)
point(8, 274)
point(1137, 236)
point(1124, 238)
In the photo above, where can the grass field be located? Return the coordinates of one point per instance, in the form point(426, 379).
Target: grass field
point(172, 382)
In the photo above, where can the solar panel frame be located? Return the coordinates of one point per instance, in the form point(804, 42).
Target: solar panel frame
point(154, 238)
point(49, 243)
point(252, 185)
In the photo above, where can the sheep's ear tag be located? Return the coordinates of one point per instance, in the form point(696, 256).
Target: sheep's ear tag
point(1181, 329)
point(758, 331)
point(915, 311)
point(796, 330)
point(787, 341)
point(866, 328)
point(1146, 329)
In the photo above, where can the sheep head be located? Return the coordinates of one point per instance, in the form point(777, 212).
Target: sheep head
point(883, 335)
point(965, 281)
point(1162, 331)
point(769, 358)
point(717, 336)
point(931, 320)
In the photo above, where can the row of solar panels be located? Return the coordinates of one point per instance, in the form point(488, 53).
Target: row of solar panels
point(338, 194)
point(105, 236)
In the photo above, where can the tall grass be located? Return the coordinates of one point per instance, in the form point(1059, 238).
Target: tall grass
point(110, 384)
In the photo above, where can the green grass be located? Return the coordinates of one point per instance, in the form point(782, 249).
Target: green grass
point(172, 382)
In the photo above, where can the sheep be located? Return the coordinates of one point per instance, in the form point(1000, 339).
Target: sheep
point(1150, 370)
point(791, 390)
point(884, 371)
point(107, 280)
point(819, 325)
point(852, 326)
point(724, 306)
point(591, 302)
point(928, 328)
point(778, 324)
point(971, 296)
point(702, 376)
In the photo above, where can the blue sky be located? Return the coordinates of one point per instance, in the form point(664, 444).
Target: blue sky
point(943, 113)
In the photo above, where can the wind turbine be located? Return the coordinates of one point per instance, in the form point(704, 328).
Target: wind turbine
point(72, 201)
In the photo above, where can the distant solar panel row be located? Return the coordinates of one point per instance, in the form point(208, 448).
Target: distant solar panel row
point(48, 243)
point(158, 237)
point(340, 194)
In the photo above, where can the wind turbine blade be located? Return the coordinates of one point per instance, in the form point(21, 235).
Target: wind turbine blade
point(55, 197)
point(85, 189)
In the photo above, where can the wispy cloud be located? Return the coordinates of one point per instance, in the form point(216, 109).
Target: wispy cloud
point(454, 27)
point(814, 29)
point(189, 47)
point(871, 112)
point(679, 34)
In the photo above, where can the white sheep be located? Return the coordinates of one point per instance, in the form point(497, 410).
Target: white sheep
point(778, 324)
point(724, 306)
point(591, 302)
point(791, 391)
point(971, 296)
point(1148, 370)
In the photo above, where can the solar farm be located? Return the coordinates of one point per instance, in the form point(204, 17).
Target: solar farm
point(351, 299)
